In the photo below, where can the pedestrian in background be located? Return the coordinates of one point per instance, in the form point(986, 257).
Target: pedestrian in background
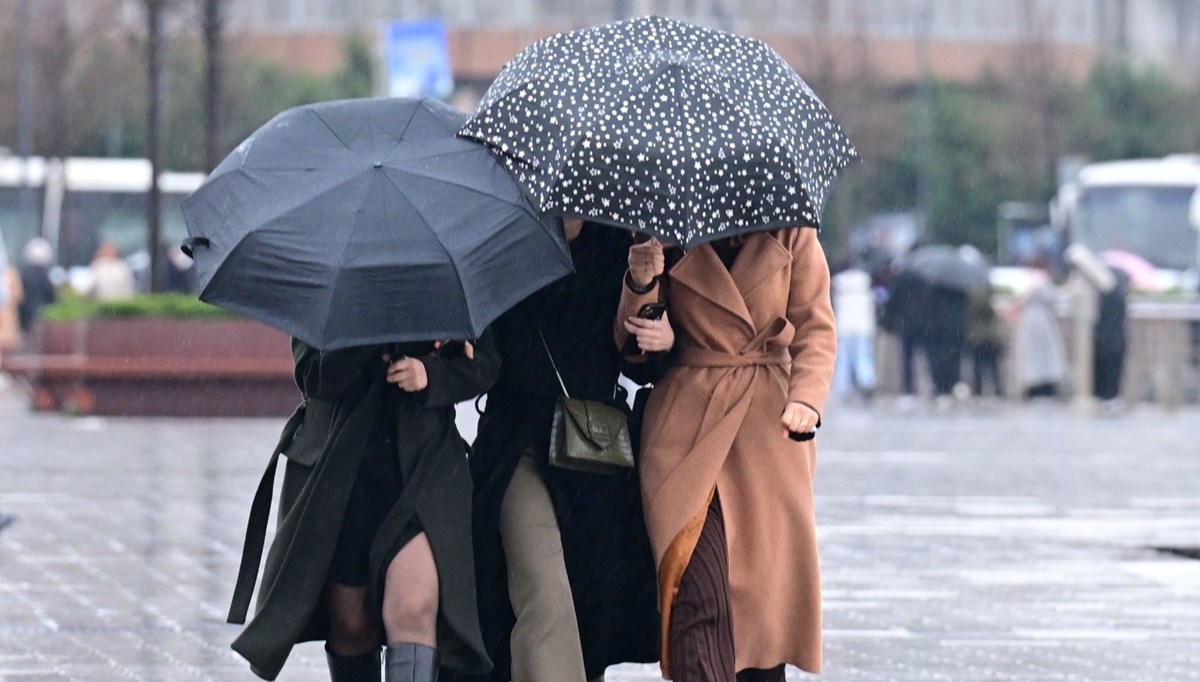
point(6, 294)
point(12, 297)
point(36, 259)
point(373, 543)
point(726, 486)
point(945, 338)
point(1111, 338)
point(112, 278)
point(905, 312)
point(1042, 365)
point(986, 338)
point(854, 307)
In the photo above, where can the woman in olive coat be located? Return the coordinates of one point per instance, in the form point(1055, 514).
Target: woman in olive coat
point(373, 537)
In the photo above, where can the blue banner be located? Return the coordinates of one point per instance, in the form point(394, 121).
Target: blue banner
point(417, 57)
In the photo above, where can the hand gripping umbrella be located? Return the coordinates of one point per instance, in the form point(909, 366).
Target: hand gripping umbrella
point(687, 133)
point(368, 221)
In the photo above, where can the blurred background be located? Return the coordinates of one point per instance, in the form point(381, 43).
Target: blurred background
point(960, 108)
point(1014, 127)
point(1008, 487)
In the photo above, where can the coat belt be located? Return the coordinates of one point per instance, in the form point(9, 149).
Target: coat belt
point(706, 357)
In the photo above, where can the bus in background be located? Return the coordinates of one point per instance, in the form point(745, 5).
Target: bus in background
point(1149, 208)
point(22, 197)
point(81, 203)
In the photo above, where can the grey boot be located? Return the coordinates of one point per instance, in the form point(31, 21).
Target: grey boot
point(411, 663)
point(360, 668)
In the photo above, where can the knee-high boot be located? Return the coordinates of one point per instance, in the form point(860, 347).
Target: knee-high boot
point(407, 662)
point(360, 668)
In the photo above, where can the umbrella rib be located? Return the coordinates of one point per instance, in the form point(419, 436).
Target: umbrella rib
point(455, 183)
point(404, 128)
point(438, 239)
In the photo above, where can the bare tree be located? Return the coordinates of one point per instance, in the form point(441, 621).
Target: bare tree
point(1036, 69)
point(154, 28)
point(213, 46)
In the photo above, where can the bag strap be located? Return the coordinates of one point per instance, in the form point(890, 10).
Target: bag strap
point(553, 364)
point(256, 526)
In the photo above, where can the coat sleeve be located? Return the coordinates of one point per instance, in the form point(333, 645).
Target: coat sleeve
point(810, 310)
point(455, 379)
point(630, 303)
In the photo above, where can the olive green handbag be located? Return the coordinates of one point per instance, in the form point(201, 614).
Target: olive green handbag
point(587, 435)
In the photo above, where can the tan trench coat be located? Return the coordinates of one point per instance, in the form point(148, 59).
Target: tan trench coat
point(750, 339)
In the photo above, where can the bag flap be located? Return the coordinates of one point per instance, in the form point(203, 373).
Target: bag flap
point(601, 425)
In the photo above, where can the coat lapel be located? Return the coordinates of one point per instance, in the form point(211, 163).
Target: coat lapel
point(761, 257)
point(702, 271)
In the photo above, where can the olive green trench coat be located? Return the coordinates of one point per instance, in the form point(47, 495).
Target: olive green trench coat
point(323, 442)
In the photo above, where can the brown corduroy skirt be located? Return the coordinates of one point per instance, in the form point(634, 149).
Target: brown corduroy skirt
point(700, 636)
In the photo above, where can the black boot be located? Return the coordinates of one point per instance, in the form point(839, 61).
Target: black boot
point(360, 668)
point(411, 663)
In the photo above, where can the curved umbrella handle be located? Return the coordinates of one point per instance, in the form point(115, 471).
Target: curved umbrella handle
point(192, 242)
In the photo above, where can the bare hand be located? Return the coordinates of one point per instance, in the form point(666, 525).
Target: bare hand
point(654, 336)
point(798, 418)
point(646, 261)
point(408, 374)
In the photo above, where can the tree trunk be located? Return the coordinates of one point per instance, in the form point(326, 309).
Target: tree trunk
point(154, 11)
point(213, 25)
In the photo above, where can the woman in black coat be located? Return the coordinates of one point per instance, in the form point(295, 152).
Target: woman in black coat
point(605, 549)
point(373, 541)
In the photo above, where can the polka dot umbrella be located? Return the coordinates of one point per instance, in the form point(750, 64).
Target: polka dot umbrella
point(683, 132)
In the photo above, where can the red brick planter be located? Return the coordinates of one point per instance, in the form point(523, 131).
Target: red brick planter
point(160, 367)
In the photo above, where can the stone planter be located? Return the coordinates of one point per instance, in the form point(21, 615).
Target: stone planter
point(160, 367)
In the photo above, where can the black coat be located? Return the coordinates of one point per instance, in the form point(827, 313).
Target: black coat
point(606, 550)
point(38, 293)
point(345, 394)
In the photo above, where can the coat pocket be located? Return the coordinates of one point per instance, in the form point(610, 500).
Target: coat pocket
point(309, 441)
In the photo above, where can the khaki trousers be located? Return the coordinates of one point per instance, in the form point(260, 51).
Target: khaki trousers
point(545, 640)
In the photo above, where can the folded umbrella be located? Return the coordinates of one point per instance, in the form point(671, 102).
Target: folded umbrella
point(368, 221)
point(686, 133)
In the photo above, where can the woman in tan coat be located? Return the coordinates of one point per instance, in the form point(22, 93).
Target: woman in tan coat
point(726, 485)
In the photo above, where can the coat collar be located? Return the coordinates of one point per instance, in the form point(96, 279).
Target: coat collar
point(702, 271)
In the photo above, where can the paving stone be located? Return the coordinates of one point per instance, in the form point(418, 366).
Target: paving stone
point(1008, 544)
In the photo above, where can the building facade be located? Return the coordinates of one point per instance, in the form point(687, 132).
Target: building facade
point(964, 36)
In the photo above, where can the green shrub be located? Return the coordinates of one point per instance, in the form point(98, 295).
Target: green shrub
point(71, 308)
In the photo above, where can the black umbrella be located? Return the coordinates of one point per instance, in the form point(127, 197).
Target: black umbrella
point(959, 268)
point(368, 221)
point(686, 133)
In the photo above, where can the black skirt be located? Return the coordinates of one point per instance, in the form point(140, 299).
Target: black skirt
point(376, 489)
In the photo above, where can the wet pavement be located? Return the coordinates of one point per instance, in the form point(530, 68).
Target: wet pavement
point(1010, 544)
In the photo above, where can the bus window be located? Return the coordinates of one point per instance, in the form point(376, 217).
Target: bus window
point(119, 218)
point(20, 217)
point(1151, 222)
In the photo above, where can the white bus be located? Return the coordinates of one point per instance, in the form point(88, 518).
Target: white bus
point(80, 203)
point(1148, 207)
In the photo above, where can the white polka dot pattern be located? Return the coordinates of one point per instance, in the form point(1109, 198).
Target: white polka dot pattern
point(684, 132)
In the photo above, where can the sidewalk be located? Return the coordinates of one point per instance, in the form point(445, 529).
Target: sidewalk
point(1003, 546)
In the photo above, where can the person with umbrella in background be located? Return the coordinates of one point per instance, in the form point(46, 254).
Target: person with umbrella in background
point(712, 143)
point(950, 274)
point(385, 246)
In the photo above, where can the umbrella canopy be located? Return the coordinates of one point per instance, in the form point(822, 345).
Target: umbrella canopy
point(687, 133)
point(1141, 272)
point(946, 266)
point(368, 221)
